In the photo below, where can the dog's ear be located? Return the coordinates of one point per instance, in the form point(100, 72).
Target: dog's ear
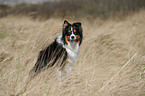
point(65, 24)
point(78, 24)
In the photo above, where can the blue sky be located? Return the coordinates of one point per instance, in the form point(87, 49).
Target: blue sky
point(15, 2)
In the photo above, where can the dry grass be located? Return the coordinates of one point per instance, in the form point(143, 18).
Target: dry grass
point(106, 47)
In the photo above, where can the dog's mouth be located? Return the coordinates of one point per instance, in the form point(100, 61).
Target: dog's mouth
point(73, 40)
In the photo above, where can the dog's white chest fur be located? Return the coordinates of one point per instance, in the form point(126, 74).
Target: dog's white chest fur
point(72, 52)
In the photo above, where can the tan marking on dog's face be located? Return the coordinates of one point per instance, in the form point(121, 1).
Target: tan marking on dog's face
point(74, 30)
point(67, 38)
point(77, 38)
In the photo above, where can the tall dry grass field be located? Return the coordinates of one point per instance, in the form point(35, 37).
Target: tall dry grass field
point(105, 66)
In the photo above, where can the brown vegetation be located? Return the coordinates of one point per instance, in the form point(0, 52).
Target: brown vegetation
point(106, 47)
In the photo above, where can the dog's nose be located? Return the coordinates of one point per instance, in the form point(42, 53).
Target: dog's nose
point(72, 37)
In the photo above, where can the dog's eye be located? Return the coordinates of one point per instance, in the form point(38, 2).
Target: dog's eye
point(68, 33)
point(76, 33)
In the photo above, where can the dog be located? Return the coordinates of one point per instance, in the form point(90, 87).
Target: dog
point(64, 51)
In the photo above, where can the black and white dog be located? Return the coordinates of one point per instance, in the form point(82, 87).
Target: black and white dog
point(63, 52)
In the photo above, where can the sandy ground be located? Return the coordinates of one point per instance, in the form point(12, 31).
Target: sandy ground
point(111, 59)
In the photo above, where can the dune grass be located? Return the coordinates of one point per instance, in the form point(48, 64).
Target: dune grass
point(106, 47)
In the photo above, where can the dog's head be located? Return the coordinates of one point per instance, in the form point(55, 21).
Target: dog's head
point(72, 33)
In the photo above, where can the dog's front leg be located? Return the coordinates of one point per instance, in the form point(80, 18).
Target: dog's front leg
point(65, 70)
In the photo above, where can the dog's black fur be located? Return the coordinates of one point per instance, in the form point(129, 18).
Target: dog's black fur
point(49, 56)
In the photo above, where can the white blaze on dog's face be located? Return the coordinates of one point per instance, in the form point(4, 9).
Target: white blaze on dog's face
point(72, 36)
